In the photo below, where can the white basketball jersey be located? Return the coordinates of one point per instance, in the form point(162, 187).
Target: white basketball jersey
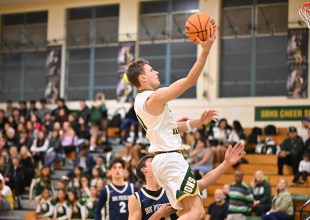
point(161, 130)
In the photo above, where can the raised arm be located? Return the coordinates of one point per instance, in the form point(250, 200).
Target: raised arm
point(160, 97)
point(205, 118)
point(232, 155)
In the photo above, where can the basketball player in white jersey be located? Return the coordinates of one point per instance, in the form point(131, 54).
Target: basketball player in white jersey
point(171, 170)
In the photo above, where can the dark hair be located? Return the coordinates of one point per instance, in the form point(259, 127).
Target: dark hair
point(43, 101)
point(117, 160)
point(9, 101)
point(135, 69)
point(237, 126)
point(140, 165)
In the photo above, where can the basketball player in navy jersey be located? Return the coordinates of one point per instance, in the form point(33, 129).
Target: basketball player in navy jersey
point(114, 197)
point(151, 202)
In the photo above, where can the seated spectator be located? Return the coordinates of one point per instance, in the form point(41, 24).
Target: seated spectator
point(4, 204)
point(45, 207)
point(39, 183)
point(16, 177)
point(201, 155)
point(95, 176)
point(237, 134)
point(218, 210)
point(100, 163)
point(62, 210)
point(75, 181)
point(291, 151)
point(3, 120)
point(43, 110)
point(6, 192)
point(220, 135)
point(26, 161)
point(12, 138)
point(38, 148)
point(262, 193)
point(54, 151)
point(303, 170)
point(282, 204)
point(91, 203)
point(84, 159)
point(69, 140)
point(129, 120)
point(4, 167)
point(81, 129)
point(24, 139)
point(240, 199)
point(77, 210)
point(302, 130)
point(129, 143)
point(85, 190)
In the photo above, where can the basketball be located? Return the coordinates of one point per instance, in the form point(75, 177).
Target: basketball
point(197, 25)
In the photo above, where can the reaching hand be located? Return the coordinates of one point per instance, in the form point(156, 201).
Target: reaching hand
point(165, 210)
point(233, 154)
point(208, 116)
point(206, 45)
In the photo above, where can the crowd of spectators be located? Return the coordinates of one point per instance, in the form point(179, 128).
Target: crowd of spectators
point(34, 139)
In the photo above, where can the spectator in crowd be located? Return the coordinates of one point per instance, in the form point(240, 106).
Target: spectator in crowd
point(6, 192)
point(43, 110)
point(282, 204)
point(45, 207)
point(4, 167)
point(91, 203)
point(39, 183)
point(140, 148)
point(26, 161)
point(16, 177)
point(22, 107)
point(100, 163)
point(62, 210)
point(8, 108)
point(77, 210)
point(237, 134)
point(54, 151)
point(11, 137)
point(302, 130)
point(85, 190)
point(75, 181)
point(226, 189)
point(60, 102)
point(32, 109)
point(84, 159)
point(3, 120)
point(219, 209)
point(118, 188)
point(201, 156)
point(129, 120)
point(38, 148)
point(4, 204)
point(291, 151)
point(14, 118)
point(303, 170)
point(95, 176)
point(262, 193)
point(220, 135)
point(240, 199)
point(84, 111)
point(98, 113)
point(24, 139)
point(69, 140)
point(82, 129)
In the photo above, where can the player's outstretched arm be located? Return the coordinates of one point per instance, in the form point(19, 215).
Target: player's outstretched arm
point(205, 118)
point(134, 208)
point(163, 95)
point(232, 156)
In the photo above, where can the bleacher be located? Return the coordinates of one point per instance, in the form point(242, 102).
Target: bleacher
point(267, 163)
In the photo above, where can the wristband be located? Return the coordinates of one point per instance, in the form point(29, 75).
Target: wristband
point(188, 126)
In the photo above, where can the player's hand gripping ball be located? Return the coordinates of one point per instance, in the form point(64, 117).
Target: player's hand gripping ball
point(197, 25)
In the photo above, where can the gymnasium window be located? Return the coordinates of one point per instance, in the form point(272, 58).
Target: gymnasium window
point(92, 48)
point(253, 48)
point(22, 56)
point(162, 40)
